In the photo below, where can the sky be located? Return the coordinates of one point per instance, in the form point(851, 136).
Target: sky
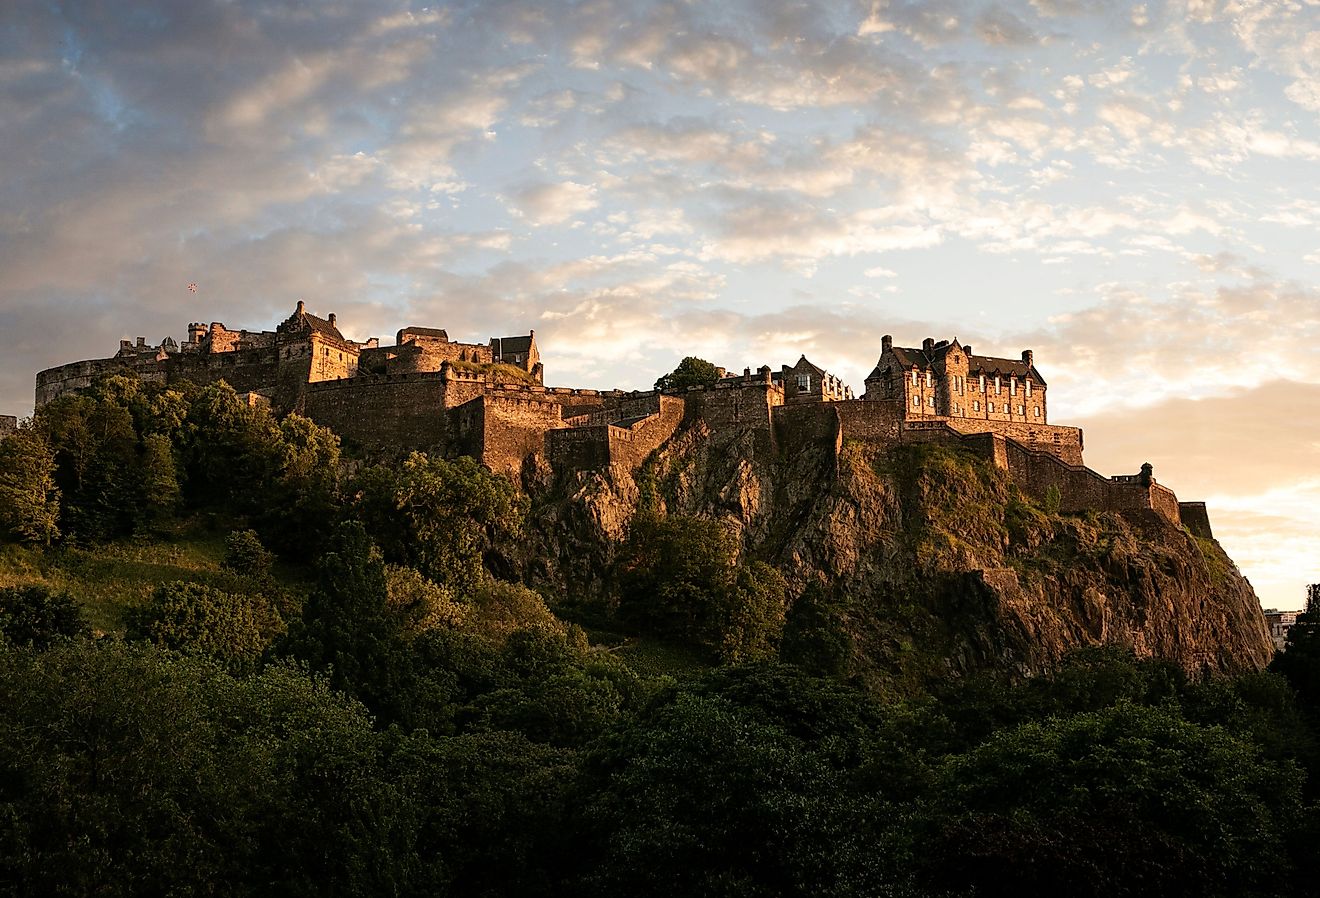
point(1130, 190)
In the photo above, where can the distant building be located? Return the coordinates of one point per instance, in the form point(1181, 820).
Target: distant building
point(1280, 622)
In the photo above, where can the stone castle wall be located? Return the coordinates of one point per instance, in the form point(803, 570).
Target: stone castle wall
point(1195, 518)
point(382, 413)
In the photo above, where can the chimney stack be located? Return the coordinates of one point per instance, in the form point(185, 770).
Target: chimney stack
point(301, 307)
point(886, 343)
point(967, 348)
point(332, 319)
point(1027, 357)
point(928, 344)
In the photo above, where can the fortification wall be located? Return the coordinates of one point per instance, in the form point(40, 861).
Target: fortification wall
point(630, 446)
point(870, 421)
point(514, 427)
point(802, 427)
point(75, 375)
point(735, 405)
point(585, 448)
point(425, 353)
point(1062, 442)
point(1195, 518)
point(633, 405)
point(381, 412)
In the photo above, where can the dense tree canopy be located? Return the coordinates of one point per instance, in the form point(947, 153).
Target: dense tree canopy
point(691, 372)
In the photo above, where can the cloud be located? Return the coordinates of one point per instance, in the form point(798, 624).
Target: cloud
point(553, 203)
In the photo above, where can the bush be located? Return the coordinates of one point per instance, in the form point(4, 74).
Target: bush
point(195, 618)
point(244, 554)
point(34, 616)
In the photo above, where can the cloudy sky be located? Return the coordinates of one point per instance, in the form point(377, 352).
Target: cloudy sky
point(1130, 190)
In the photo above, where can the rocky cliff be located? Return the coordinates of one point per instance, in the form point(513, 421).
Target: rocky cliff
point(915, 561)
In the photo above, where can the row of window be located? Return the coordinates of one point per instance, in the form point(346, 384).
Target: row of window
point(959, 383)
point(976, 407)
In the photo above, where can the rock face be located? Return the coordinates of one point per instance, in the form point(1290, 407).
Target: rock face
point(913, 562)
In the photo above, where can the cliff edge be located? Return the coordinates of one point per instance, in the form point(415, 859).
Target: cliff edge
point(914, 561)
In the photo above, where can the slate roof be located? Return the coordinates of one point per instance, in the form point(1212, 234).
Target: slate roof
point(911, 356)
point(510, 345)
point(303, 322)
point(426, 332)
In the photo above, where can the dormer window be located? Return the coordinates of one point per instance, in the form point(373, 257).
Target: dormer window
point(804, 383)
point(1012, 386)
point(982, 383)
point(928, 379)
point(1028, 383)
point(999, 387)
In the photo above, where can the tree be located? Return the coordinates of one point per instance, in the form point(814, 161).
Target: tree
point(349, 631)
point(29, 497)
point(1128, 800)
point(679, 577)
point(691, 372)
point(441, 517)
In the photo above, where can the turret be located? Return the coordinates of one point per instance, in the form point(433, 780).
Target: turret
point(196, 330)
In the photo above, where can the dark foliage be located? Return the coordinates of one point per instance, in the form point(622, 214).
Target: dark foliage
point(34, 616)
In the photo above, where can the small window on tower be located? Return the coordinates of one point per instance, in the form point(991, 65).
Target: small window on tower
point(976, 405)
point(916, 401)
point(1036, 411)
point(930, 401)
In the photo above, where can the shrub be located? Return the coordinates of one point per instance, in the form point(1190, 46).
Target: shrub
point(34, 616)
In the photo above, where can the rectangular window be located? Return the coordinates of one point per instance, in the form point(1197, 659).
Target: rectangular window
point(804, 383)
point(916, 401)
point(976, 405)
point(930, 401)
point(982, 383)
point(999, 388)
point(1012, 386)
point(928, 378)
point(1036, 411)
point(914, 377)
point(1028, 387)
point(1022, 410)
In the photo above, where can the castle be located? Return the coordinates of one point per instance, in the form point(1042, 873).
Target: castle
point(489, 400)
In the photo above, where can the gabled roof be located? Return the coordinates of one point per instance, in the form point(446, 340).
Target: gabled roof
point(303, 322)
point(803, 362)
point(514, 344)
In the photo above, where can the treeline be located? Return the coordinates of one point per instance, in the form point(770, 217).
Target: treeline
point(404, 723)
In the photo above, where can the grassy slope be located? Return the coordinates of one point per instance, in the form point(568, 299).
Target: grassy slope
point(108, 580)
